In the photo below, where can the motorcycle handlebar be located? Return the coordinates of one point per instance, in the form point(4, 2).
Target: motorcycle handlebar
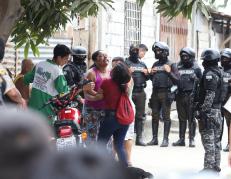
point(76, 89)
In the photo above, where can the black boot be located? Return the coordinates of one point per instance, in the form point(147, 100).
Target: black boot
point(192, 133)
point(182, 129)
point(167, 125)
point(154, 140)
point(226, 149)
point(139, 127)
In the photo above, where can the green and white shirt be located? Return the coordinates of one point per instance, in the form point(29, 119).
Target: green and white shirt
point(48, 81)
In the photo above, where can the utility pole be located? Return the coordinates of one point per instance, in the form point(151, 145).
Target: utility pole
point(92, 38)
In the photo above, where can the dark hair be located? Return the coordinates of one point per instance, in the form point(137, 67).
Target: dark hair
point(61, 50)
point(2, 49)
point(121, 59)
point(143, 46)
point(26, 141)
point(121, 75)
point(95, 54)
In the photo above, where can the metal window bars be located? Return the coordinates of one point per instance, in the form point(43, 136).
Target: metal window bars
point(132, 25)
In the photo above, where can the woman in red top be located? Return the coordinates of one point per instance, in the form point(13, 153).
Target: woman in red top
point(112, 89)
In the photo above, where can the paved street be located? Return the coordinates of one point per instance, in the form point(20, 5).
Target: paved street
point(159, 160)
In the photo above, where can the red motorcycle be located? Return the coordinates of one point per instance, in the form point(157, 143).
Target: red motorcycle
point(67, 121)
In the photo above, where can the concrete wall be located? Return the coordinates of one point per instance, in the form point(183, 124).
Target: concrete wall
point(111, 29)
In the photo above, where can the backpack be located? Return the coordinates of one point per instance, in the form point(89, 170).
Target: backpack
point(125, 113)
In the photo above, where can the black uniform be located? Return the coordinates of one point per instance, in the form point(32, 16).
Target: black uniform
point(74, 72)
point(226, 64)
point(138, 94)
point(190, 74)
point(210, 120)
point(162, 98)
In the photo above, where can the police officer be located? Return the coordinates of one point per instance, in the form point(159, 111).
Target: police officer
point(210, 119)
point(75, 69)
point(164, 75)
point(140, 75)
point(226, 64)
point(190, 73)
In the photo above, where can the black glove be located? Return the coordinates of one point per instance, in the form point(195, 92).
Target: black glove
point(150, 103)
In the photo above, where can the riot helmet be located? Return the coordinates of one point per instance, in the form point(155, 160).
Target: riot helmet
point(226, 58)
point(2, 49)
point(79, 54)
point(161, 50)
point(187, 56)
point(134, 53)
point(210, 57)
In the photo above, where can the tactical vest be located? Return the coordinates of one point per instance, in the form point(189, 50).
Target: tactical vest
point(161, 79)
point(220, 92)
point(187, 78)
point(77, 72)
point(227, 83)
point(138, 76)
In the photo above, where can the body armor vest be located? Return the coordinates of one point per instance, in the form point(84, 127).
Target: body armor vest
point(227, 83)
point(187, 78)
point(220, 92)
point(161, 78)
point(138, 76)
point(74, 73)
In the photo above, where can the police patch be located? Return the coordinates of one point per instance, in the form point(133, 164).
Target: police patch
point(208, 77)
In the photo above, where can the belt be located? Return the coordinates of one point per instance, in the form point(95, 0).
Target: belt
point(184, 92)
point(216, 106)
point(110, 111)
point(161, 89)
point(138, 89)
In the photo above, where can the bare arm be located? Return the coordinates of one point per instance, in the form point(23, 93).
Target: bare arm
point(90, 76)
point(15, 96)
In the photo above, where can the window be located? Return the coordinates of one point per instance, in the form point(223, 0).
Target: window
point(132, 25)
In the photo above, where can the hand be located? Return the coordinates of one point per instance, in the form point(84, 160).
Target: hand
point(23, 104)
point(99, 96)
point(89, 87)
point(131, 69)
point(154, 70)
point(167, 68)
point(81, 100)
point(145, 71)
point(229, 159)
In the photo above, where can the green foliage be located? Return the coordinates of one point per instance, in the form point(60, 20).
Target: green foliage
point(172, 8)
point(43, 17)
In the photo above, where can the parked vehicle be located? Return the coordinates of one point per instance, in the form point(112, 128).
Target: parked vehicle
point(67, 120)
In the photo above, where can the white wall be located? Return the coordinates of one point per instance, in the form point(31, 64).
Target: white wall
point(111, 29)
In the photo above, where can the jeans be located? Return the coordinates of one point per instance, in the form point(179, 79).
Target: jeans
point(110, 127)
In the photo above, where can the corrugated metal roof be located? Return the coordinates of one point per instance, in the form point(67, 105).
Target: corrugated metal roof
point(12, 59)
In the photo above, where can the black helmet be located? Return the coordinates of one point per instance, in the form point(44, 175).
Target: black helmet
point(133, 47)
point(189, 51)
point(210, 55)
point(160, 45)
point(79, 54)
point(79, 51)
point(226, 53)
